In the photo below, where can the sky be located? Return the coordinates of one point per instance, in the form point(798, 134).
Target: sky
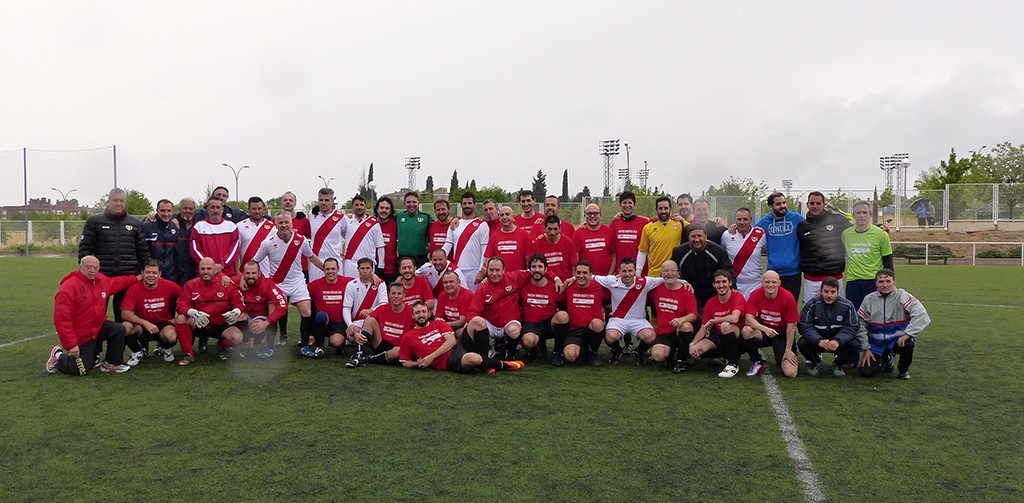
point(809, 91)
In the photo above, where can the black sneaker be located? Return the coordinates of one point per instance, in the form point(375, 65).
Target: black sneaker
point(595, 360)
point(639, 359)
point(201, 346)
point(557, 359)
point(224, 354)
point(355, 361)
point(616, 356)
point(679, 367)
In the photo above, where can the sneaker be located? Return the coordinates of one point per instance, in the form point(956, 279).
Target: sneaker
point(145, 350)
point(51, 363)
point(186, 359)
point(679, 367)
point(306, 351)
point(616, 355)
point(266, 353)
point(904, 375)
point(283, 340)
point(814, 369)
point(837, 371)
point(639, 359)
point(356, 361)
point(628, 350)
point(729, 371)
point(224, 354)
point(513, 365)
point(318, 353)
point(202, 346)
point(595, 360)
point(96, 363)
point(109, 367)
point(165, 353)
point(492, 371)
point(245, 347)
point(557, 360)
point(757, 367)
point(135, 359)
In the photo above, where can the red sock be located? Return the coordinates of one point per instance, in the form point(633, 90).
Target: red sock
point(184, 337)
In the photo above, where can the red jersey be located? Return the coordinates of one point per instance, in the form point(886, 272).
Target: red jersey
point(512, 247)
point(211, 298)
point(567, 229)
point(217, 241)
point(596, 247)
point(329, 298)
point(498, 302)
point(775, 313)
point(154, 306)
point(420, 342)
point(584, 304)
point(627, 236)
point(420, 290)
point(449, 309)
point(389, 230)
point(437, 232)
point(530, 226)
point(392, 324)
point(540, 303)
point(258, 298)
point(716, 309)
point(493, 225)
point(80, 306)
point(672, 304)
point(561, 256)
point(301, 225)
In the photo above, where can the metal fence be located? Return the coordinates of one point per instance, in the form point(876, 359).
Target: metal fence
point(41, 235)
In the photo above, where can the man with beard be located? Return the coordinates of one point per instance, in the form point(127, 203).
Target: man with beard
point(433, 344)
point(148, 313)
point(719, 332)
point(782, 242)
point(822, 253)
point(659, 238)
point(595, 241)
point(541, 318)
point(437, 231)
point(387, 269)
point(363, 238)
point(213, 309)
point(253, 231)
point(265, 304)
point(467, 241)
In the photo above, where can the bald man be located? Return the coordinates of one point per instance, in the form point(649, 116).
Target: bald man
point(596, 242)
point(770, 319)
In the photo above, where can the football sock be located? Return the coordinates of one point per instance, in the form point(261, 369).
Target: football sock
point(305, 328)
point(616, 347)
point(184, 337)
point(561, 331)
point(481, 342)
point(642, 347)
point(593, 341)
point(133, 344)
point(381, 358)
point(282, 324)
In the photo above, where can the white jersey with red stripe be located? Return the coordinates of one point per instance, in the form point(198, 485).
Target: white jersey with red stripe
point(327, 244)
point(370, 246)
point(247, 230)
point(620, 292)
point(471, 255)
point(273, 250)
point(748, 278)
point(355, 294)
point(429, 272)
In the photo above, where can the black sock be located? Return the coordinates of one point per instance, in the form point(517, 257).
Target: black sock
point(481, 342)
point(319, 332)
point(282, 325)
point(593, 341)
point(381, 358)
point(616, 347)
point(133, 343)
point(561, 331)
point(305, 328)
point(642, 347)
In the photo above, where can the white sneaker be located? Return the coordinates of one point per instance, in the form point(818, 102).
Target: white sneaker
point(135, 358)
point(757, 367)
point(166, 353)
point(729, 371)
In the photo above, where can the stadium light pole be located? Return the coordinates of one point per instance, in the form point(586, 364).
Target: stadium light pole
point(236, 173)
point(327, 182)
point(64, 195)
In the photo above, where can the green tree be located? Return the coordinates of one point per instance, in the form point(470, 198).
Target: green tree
point(540, 186)
point(951, 170)
point(1005, 165)
point(565, 187)
point(735, 193)
point(472, 185)
point(492, 192)
point(585, 193)
point(430, 184)
point(366, 188)
point(453, 188)
point(839, 200)
point(136, 203)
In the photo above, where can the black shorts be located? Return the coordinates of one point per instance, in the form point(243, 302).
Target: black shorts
point(576, 336)
point(384, 346)
point(778, 344)
point(463, 346)
point(335, 328)
point(666, 339)
point(211, 330)
point(147, 337)
point(541, 328)
point(270, 331)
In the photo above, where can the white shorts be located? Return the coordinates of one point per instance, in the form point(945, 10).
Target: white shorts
point(470, 277)
point(357, 323)
point(627, 326)
point(499, 332)
point(813, 288)
point(295, 290)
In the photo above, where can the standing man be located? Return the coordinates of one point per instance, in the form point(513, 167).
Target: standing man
point(216, 238)
point(659, 238)
point(467, 242)
point(698, 260)
point(413, 225)
point(437, 231)
point(253, 231)
point(558, 250)
point(676, 309)
point(720, 327)
point(702, 215)
point(491, 215)
point(184, 266)
point(684, 204)
point(891, 320)
point(782, 242)
point(117, 241)
point(233, 215)
point(868, 250)
point(300, 224)
point(213, 308)
point(829, 324)
point(552, 208)
point(162, 236)
point(363, 239)
point(770, 318)
point(744, 247)
point(80, 317)
point(387, 269)
point(327, 230)
point(529, 220)
point(821, 245)
point(508, 242)
point(595, 241)
point(282, 254)
point(627, 227)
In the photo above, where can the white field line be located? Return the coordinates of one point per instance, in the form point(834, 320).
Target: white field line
point(804, 469)
point(19, 341)
point(961, 304)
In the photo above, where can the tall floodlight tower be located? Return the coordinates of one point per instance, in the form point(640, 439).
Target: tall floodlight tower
point(643, 175)
point(412, 164)
point(895, 172)
point(608, 149)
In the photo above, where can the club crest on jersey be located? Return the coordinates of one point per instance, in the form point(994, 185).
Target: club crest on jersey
point(128, 227)
point(174, 231)
point(839, 318)
point(220, 295)
point(258, 297)
point(753, 239)
point(829, 227)
point(296, 242)
point(335, 218)
point(419, 219)
point(103, 294)
point(508, 288)
point(367, 224)
point(637, 286)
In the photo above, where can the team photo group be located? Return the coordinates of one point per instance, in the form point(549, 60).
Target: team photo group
point(454, 290)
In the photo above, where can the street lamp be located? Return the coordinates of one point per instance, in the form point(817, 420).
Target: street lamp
point(63, 195)
point(236, 173)
point(327, 183)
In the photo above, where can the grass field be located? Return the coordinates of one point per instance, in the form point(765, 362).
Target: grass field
point(290, 428)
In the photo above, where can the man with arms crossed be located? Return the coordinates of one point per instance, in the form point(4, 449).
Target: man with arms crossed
point(770, 318)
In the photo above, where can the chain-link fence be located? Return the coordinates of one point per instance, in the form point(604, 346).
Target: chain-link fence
point(54, 236)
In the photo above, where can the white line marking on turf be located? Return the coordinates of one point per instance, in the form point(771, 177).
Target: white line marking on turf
point(971, 305)
point(804, 469)
point(19, 341)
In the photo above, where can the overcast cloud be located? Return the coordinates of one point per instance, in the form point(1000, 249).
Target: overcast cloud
point(811, 91)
